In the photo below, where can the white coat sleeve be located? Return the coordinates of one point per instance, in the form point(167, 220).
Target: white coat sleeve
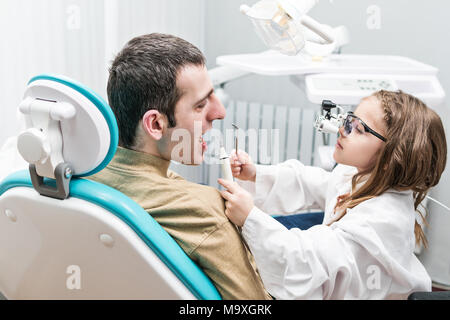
point(289, 187)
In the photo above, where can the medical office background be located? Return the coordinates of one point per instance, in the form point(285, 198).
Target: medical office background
point(78, 38)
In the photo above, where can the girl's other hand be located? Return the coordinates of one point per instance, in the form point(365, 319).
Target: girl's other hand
point(238, 203)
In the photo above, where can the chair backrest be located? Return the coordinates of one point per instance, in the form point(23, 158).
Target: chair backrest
point(93, 243)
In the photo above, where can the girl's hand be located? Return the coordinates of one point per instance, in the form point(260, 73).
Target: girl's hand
point(242, 166)
point(238, 203)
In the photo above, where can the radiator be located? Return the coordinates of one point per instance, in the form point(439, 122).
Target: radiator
point(270, 134)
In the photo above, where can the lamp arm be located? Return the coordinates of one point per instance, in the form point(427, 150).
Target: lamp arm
point(297, 11)
point(323, 31)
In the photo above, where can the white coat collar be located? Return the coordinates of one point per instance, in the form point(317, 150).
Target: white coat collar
point(344, 180)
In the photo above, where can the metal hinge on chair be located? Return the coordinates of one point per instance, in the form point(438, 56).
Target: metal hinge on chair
point(63, 175)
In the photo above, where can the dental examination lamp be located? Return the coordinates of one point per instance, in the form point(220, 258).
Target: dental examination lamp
point(284, 25)
point(309, 52)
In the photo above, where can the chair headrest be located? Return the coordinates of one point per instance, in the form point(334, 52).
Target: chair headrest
point(66, 122)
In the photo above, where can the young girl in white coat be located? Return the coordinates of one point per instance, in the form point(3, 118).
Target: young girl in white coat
point(390, 152)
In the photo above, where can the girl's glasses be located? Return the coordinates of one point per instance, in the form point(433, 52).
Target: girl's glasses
point(351, 122)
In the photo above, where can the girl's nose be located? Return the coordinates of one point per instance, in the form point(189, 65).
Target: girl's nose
point(341, 132)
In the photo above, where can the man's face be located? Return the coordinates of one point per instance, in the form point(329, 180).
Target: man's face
point(195, 111)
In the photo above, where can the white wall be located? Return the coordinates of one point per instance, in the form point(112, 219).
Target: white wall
point(413, 28)
point(40, 37)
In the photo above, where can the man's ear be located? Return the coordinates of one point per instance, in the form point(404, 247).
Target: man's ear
point(153, 123)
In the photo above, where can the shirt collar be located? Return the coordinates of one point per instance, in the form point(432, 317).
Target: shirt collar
point(139, 161)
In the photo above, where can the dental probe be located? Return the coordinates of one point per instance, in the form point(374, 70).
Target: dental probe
point(235, 138)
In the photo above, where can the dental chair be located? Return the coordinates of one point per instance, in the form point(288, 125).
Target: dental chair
point(66, 237)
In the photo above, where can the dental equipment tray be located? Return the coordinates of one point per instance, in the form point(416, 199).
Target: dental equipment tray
point(273, 63)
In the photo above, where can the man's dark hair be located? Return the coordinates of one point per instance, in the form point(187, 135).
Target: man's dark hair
point(143, 77)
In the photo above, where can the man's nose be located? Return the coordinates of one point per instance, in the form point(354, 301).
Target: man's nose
point(216, 110)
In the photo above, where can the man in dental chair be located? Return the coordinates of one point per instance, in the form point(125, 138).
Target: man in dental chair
point(163, 98)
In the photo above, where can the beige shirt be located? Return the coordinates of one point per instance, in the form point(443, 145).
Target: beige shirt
point(193, 215)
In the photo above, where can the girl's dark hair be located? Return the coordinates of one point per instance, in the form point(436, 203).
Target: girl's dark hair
point(143, 77)
point(413, 157)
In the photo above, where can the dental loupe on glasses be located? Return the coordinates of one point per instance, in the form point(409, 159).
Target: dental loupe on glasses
point(330, 123)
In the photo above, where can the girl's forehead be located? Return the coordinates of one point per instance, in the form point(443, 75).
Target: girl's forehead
point(369, 110)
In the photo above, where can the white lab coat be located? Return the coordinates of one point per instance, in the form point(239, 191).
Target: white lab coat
point(368, 254)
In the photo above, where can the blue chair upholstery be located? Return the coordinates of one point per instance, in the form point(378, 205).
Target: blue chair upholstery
point(140, 221)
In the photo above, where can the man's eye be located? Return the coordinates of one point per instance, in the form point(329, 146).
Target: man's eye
point(201, 106)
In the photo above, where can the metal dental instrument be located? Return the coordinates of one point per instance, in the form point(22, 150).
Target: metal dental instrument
point(235, 138)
